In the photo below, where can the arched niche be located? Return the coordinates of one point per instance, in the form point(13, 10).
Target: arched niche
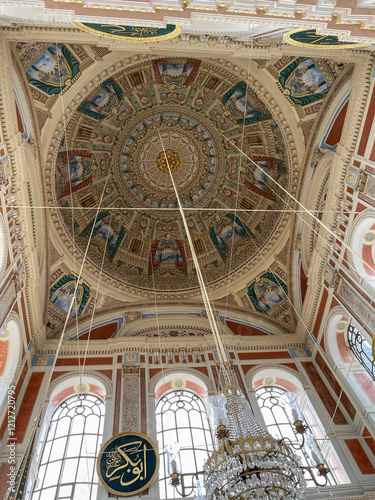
point(362, 243)
point(10, 353)
point(335, 338)
point(350, 369)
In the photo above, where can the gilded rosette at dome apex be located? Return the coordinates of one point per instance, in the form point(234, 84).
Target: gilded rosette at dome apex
point(187, 113)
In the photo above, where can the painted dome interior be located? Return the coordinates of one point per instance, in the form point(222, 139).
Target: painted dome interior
point(114, 149)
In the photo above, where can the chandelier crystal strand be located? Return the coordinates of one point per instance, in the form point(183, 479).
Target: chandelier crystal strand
point(248, 463)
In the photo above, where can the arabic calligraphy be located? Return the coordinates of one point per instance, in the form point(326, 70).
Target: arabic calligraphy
point(121, 466)
point(143, 31)
point(307, 37)
point(130, 30)
point(311, 37)
point(128, 463)
point(131, 33)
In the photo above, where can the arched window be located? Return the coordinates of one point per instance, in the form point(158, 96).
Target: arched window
point(181, 417)
point(349, 347)
point(277, 421)
point(67, 469)
point(270, 385)
point(361, 349)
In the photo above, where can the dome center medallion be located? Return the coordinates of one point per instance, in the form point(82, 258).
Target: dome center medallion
point(168, 160)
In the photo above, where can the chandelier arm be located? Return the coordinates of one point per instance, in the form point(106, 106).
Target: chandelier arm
point(293, 444)
point(244, 474)
point(191, 488)
point(309, 469)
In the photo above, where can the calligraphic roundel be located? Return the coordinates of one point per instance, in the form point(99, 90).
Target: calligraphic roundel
point(128, 464)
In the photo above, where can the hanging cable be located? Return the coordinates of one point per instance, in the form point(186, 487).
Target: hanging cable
point(210, 314)
point(304, 209)
point(31, 440)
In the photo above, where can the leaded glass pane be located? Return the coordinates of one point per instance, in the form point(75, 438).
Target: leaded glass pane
point(181, 417)
point(67, 466)
point(362, 350)
point(277, 422)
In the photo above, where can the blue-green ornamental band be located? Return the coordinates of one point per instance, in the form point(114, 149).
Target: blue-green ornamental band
point(131, 33)
point(128, 464)
point(303, 37)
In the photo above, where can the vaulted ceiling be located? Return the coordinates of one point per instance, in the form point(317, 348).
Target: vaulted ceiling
point(248, 129)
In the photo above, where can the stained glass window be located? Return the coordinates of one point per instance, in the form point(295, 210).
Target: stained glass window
point(181, 417)
point(67, 469)
point(361, 349)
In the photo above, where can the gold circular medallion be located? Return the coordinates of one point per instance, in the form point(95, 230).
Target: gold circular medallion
point(169, 157)
point(128, 464)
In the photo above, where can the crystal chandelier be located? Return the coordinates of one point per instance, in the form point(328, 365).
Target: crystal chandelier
point(248, 462)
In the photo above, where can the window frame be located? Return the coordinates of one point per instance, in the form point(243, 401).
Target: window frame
point(168, 399)
point(301, 454)
point(52, 423)
point(356, 347)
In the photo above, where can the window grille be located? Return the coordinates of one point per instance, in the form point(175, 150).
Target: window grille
point(361, 349)
point(181, 417)
point(277, 422)
point(67, 470)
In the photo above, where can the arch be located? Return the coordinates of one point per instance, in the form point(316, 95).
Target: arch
point(362, 242)
point(315, 192)
point(72, 442)
point(10, 353)
point(335, 342)
point(181, 417)
point(74, 378)
point(93, 386)
point(334, 129)
point(270, 383)
point(174, 371)
point(22, 109)
point(284, 372)
point(332, 124)
point(357, 370)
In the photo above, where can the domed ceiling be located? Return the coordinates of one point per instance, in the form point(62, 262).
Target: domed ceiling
point(113, 153)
